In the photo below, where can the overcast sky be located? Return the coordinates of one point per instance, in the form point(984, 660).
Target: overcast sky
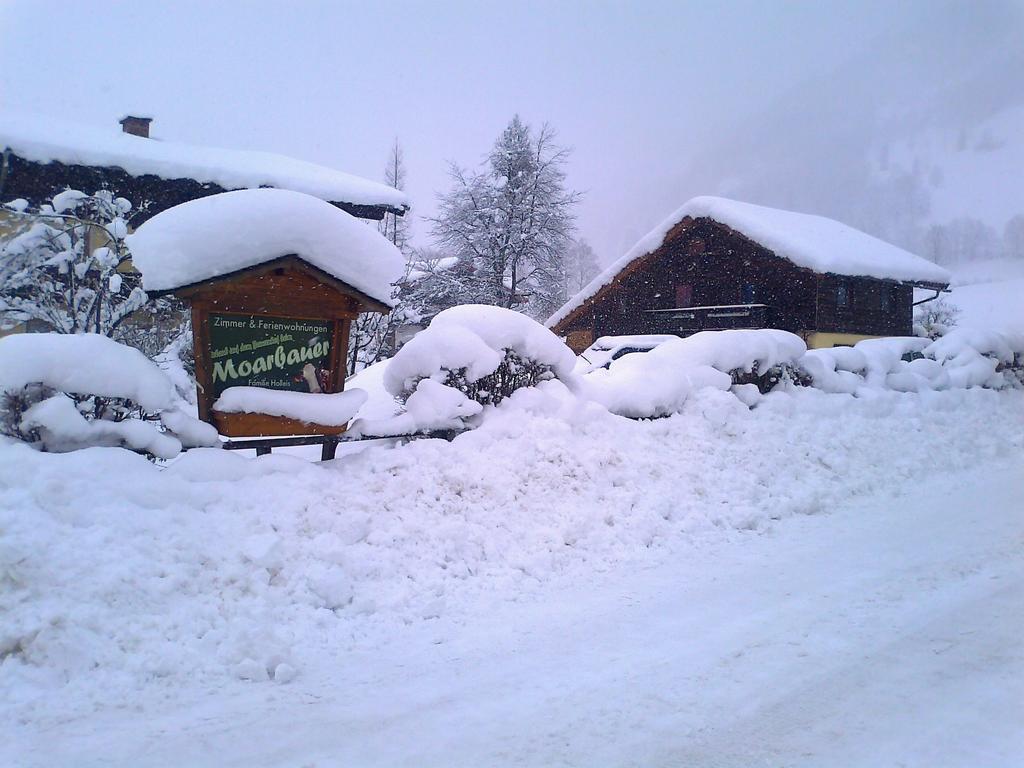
point(659, 100)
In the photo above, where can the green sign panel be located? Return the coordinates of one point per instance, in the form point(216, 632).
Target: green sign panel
point(269, 352)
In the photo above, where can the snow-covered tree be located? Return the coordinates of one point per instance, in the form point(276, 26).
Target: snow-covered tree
point(1013, 237)
point(371, 334)
point(580, 266)
point(394, 227)
point(512, 221)
point(69, 267)
point(935, 318)
point(961, 241)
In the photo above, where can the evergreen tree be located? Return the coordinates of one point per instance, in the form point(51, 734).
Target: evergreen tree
point(512, 222)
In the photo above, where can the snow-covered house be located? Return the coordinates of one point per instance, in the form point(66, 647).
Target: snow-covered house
point(717, 264)
point(43, 156)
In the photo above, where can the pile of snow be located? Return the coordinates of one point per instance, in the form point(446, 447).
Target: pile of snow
point(432, 407)
point(657, 383)
point(91, 365)
point(43, 140)
point(609, 348)
point(329, 410)
point(380, 404)
point(813, 242)
point(221, 234)
point(122, 580)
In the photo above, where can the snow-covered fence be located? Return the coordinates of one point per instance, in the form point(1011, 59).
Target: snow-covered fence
point(62, 392)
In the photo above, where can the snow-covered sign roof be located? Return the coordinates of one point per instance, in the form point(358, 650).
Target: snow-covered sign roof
point(221, 234)
point(814, 242)
point(45, 140)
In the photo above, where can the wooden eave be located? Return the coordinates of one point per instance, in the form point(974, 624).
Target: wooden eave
point(291, 261)
point(37, 182)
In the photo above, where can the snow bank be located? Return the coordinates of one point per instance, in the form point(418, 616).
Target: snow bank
point(44, 140)
point(608, 348)
point(808, 241)
point(475, 337)
point(379, 403)
point(83, 364)
point(431, 407)
point(122, 580)
point(331, 410)
point(221, 234)
point(657, 383)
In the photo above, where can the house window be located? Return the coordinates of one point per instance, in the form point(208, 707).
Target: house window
point(749, 293)
point(886, 303)
point(684, 295)
point(842, 296)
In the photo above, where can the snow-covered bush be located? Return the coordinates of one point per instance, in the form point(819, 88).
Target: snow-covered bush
point(980, 358)
point(485, 352)
point(62, 392)
point(657, 383)
point(470, 356)
point(839, 370)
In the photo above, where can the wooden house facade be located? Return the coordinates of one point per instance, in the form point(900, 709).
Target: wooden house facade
point(707, 275)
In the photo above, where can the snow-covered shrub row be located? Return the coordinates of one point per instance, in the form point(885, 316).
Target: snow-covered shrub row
point(63, 392)
point(961, 359)
point(119, 577)
point(750, 363)
point(472, 355)
point(657, 383)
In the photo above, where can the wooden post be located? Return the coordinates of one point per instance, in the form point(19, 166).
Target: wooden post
point(330, 447)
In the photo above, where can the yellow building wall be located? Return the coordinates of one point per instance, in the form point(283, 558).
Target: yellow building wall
point(818, 340)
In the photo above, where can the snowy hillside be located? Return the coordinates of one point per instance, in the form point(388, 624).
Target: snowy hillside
point(990, 295)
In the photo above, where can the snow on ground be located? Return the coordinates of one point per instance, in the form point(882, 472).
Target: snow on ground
point(560, 586)
point(989, 295)
point(997, 306)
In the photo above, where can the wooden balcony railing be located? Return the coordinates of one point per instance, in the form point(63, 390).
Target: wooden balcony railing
point(687, 320)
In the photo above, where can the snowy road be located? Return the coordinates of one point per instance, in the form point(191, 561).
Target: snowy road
point(884, 633)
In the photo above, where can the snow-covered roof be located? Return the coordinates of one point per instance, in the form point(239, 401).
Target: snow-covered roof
point(45, 140)
point(814, 242)
point(221, 234)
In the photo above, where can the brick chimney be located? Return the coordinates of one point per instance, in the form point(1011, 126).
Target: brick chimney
point(136, 126)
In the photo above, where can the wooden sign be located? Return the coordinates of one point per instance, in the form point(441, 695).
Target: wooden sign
point(282, 325)
point(270, 352)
